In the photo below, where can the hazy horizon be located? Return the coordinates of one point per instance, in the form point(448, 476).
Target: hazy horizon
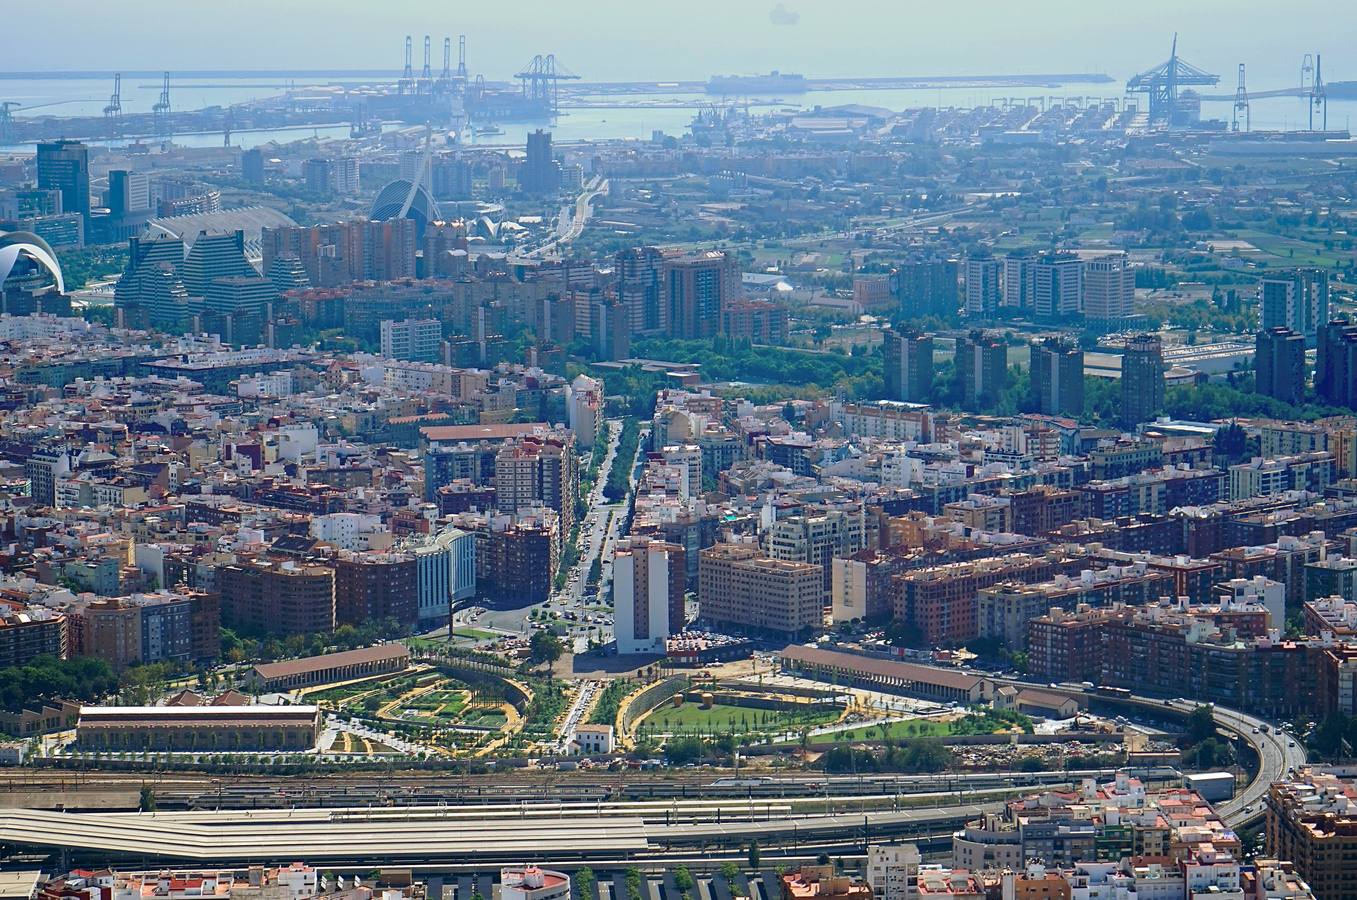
point(620, 40)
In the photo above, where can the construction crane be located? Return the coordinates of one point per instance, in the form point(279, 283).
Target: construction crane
point(1162, 83)
point(540, 80)
point(445, 77)
point(461, 57)
point(161, 110)
point(426, 74)
point(1319, 99)
point(1241, 103)
point(7, 121)
point(407, 82)
point(115, 103)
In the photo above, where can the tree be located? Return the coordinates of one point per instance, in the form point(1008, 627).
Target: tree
point(584, 881)
point(683, 879)
point(729, 870)
point(146, 803)
point(753, 854)
point(545, 647)
point(1200, 726)
point(682, 750)
point(902, 634)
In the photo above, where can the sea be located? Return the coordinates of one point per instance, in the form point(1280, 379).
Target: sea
point(639, 118)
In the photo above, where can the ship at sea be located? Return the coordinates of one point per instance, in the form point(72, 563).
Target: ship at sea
point(774, 82)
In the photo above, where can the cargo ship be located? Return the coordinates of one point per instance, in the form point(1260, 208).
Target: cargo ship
point(774, 82)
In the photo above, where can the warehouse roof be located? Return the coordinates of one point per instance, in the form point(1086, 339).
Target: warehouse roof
point(883, 667)
point(309, 664)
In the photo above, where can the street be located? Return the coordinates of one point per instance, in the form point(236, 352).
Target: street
point(583, 613)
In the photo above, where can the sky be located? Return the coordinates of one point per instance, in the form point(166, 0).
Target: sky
point(691, 39)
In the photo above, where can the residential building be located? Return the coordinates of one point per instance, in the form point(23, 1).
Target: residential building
point(584, 409)
point(872, 291)
point(65, 166)
point(822, 883)
point(540, 173)
point(373, 587)
point(1057, 377)
point(27, 632)
point(1066, 645)
point(1336, 363)
point(1109, 290)
point(1268, 477)
point(982, 368)
point(1020, 280)
point(982, 286)
point(908, 365)
point(1297, 299)
point(642, 289)
point(1004, 610)
point(418, 340)
point(940, 601)
point(817, 538)
point(1312, 822)
point(1142, 380)
point(649, 579)
point(928, 286)
point(1058, 284)
point(539, 470)
point(1279, 364)
point(277, 597)
point(740, 587)
point(696, 290)
point(891, 870)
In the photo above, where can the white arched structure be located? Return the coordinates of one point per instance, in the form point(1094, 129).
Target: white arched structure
point(13, 244)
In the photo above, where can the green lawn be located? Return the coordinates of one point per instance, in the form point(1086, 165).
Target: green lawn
point(1294, 251)
point(474, 634)
point(899, 730)
point(691, 717)
point(484, 717)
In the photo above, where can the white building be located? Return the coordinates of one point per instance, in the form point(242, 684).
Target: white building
point(446, 573)
point(982, 286)
point(1059, 285)
point(848, 589)
point(1020, 281)
point(419, 340)
point(890, 420)
point(344, 175)
point(584, 409)
point(594, 740)
point(1109, 287)
point(642, 574)
point(271, 384)
point(891, 870)
point(350, 531)
point(688, 457)
point(298, 442)
point(1269, 594)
